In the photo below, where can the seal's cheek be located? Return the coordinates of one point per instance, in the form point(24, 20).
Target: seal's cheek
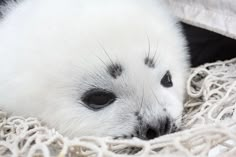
point(175, 109)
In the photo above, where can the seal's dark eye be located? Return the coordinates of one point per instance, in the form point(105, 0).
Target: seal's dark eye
point(98, 98)
point(166, 80)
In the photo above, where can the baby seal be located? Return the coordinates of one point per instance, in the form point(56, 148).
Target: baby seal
point(94, 67)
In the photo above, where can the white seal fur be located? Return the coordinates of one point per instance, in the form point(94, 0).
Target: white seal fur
point(58, 57)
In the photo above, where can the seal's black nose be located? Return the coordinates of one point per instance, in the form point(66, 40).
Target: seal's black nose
point(151, 133)
point(163, 127)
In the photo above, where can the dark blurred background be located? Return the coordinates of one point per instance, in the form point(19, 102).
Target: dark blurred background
point(204, 46)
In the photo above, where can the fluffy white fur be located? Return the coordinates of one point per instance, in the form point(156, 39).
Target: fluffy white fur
point(53, 51)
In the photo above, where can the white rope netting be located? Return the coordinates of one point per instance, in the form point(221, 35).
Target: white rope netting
point(209, 126)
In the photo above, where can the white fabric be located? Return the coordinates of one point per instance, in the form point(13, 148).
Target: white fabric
point(215, 15)
point(209, 128)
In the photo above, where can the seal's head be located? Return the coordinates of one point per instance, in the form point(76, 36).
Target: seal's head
point(102, 68)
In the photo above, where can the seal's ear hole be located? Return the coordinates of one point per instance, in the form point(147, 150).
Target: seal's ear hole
point(166, 80)
point(98, 98)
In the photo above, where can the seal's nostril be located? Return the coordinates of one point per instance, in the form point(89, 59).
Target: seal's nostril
point(151, 133)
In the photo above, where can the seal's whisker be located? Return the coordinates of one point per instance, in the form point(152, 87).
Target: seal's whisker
point(149, 46)
point(155, 96)
point(156, 59)
point(102, 61)
point(141, 106)
point(107, 54)
point(154, 56)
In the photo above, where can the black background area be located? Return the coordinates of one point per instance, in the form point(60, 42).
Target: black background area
point(206, 46)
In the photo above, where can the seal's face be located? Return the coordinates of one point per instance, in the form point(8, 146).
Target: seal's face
point(106, 70)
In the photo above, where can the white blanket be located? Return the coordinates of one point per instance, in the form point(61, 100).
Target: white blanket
point(215, 15)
